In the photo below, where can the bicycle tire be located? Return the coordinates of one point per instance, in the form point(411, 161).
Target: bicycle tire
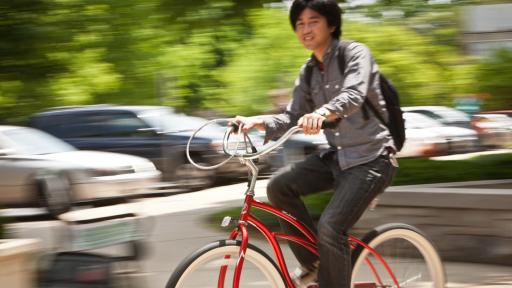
point(186, 274)
point(410, 254)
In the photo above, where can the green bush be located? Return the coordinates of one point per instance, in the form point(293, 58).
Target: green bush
point(412, 171)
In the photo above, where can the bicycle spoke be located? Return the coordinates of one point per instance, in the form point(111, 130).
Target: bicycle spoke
point(410, 257)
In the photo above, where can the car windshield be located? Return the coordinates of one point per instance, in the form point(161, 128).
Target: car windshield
point(419, 121)
point(167, 121)
point(453, 115)
point(27, 141)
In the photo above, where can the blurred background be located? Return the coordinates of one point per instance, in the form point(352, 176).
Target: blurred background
point(227, 56)
point(98, 98)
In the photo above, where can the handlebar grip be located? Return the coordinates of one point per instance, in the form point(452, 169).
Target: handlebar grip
point(331, 124)
point(325, 125)
point(235, 126)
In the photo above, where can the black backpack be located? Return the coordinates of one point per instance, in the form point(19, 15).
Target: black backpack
point(395, 114)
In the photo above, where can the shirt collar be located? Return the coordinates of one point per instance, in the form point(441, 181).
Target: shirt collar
point(328, 53)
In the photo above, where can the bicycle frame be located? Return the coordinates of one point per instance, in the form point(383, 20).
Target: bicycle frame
point(308, 241)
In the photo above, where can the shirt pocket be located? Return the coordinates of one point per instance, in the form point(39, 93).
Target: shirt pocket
point(333, 88)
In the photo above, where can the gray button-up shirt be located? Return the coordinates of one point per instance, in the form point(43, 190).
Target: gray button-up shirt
point(357, 139)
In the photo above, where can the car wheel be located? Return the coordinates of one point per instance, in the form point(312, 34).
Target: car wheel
point(54, 192)
point(186, 175)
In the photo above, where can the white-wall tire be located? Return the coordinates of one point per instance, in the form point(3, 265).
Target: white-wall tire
point(258, 271)
point(412, 258)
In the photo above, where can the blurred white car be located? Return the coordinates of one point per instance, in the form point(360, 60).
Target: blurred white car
point(428, 137)
point(297, 148)
point(37, 168)
point(300, 145)
point(494, 130)
point(445, 115)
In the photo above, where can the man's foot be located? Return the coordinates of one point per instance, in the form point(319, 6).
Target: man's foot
point(304, 278)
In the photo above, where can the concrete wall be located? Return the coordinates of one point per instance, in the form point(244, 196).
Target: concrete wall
point(18, 262)
point(467, 223)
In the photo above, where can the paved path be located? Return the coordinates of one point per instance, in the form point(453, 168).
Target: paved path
point(178, 227)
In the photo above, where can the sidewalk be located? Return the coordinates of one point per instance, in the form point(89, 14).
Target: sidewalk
point(175, 226)
point(179, 228)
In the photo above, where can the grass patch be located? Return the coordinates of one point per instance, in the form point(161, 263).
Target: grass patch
point(424, 171)
point(411, 171)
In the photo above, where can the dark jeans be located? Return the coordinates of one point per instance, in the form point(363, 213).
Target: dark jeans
point(354, 190)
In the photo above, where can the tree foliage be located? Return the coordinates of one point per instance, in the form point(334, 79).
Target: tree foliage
point(494, 80)
point(224, 55)
point(423, 71)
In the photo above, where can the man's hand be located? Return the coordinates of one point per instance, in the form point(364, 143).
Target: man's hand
point(247, 123)
point(311, 123)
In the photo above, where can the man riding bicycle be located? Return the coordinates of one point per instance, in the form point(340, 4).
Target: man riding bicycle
point(360, 162)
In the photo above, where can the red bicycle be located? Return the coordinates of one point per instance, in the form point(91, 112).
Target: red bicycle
point(392, 255)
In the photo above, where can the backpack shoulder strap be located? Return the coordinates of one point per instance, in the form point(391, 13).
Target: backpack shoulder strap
point(308, 72)
point(369, 104)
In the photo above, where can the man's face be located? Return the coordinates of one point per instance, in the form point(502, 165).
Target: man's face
point(312, 30)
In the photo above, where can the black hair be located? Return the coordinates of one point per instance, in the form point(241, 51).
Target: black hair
point(327, 8)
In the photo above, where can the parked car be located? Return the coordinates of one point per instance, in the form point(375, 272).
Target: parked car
point(300, 145)
point(153, 132)
point(494, 130)
point(37, 168)
point(504, 112)
point(428, 137)
point(446, 115)
point(186, 125)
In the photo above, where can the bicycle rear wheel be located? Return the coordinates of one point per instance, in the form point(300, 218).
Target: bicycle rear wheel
point(411, 257)
point(203, 268)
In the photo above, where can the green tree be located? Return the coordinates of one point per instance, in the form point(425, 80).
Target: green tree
point(269, 59)
point(493, 79)
point(199, 54)
point(27, 36)
point(59, 52)
point(423, 71)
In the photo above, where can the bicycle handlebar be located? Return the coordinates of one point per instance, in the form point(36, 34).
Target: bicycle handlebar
point(187, 150)
point(246, 156)
point(268, 149)
point(281, 140)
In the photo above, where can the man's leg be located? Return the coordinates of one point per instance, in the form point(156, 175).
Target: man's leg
point(355, 189)
point(284, 190)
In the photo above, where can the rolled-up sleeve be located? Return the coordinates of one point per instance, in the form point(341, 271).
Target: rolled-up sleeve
point(357, 77)
point(300, 104)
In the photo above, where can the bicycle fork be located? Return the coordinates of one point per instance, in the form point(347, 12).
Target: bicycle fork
point(242, 228)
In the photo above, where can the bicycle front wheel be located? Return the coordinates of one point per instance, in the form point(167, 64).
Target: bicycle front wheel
point(214, 266)
point(411, 257)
